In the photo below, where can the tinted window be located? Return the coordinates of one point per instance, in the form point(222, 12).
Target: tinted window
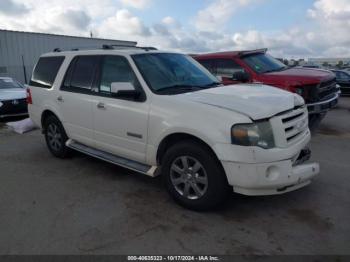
point(337, 74)
point(226, 67)
point(264, 63)
point(343, 76)
point(45, 71)
point(116, 69)
point(83, 73)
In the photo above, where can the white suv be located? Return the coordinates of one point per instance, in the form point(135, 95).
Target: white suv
point(163, 113)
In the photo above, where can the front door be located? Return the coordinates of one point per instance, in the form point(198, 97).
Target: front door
point(120, 123)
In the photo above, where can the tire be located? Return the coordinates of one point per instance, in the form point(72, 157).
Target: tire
point(56, 137)
point(200, 186)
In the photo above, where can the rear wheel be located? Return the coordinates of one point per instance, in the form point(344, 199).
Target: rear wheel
point(194, 177)
point(56, 137)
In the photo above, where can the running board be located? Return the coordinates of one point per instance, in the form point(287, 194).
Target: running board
point(120, 161)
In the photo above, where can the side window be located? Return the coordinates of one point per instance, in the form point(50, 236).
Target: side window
point(343, 76)
point(208, 64)
point(227, 67)
point(116, 69)
point(45, 71)
point(81, 74)
point(84, 72)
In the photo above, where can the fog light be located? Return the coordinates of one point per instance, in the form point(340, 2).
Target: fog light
point(272, 173)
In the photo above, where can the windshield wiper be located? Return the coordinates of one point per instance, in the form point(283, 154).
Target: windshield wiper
point(179, 88)
point(186, 88)
point(214, 84)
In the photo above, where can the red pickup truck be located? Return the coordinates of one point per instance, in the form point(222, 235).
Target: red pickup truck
point(317, 87)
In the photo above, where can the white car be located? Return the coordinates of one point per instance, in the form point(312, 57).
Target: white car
point(163, 113)
point(12, 98)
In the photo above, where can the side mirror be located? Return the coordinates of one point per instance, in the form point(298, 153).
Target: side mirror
point(124, 89)
point(219, 78)
point(241, 76)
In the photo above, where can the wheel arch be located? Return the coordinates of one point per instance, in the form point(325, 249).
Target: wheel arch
point(45, 114)
point(174, 138)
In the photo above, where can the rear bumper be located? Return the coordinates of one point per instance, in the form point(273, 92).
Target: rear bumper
point(13, 108)
point(13, 115)
point(324, 106)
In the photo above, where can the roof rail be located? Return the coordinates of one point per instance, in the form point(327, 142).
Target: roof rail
point(108, 47)
point(146, 48)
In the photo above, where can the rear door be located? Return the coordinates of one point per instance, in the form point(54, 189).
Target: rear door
point(121, 123)
point(77, 97)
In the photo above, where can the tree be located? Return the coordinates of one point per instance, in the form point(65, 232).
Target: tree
point(325, 64)
point(340, 64)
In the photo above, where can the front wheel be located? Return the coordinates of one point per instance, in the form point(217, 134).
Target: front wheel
point(194, 177)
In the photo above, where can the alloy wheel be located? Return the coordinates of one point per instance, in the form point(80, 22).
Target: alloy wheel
point(189, 177)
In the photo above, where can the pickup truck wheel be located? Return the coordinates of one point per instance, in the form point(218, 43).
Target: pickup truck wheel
point(194, 177)
point(56, 137)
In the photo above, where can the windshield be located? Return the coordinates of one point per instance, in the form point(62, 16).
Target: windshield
point(173, 73)
point(9, 83)
point(264, 63)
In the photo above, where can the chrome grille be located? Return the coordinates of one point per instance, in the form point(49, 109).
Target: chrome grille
point(327, 89)
point(290, 127)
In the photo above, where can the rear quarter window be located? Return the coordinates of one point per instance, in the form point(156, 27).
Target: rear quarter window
point(45, 71)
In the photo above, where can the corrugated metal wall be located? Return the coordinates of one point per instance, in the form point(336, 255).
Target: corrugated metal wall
point(19, 51)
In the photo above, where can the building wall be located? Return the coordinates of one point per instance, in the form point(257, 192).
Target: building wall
point(19, 51)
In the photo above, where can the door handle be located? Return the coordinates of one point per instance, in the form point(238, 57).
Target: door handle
point(101, 105)
point(60, 99)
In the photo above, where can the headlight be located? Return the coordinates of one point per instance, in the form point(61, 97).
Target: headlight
point(256, 134)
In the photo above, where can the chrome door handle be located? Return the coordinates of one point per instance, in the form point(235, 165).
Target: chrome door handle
point(60, 99)
point(101, 105)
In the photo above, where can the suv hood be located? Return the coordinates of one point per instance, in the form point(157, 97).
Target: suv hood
point(12, 93)
point(302, 75)
point(254, 101)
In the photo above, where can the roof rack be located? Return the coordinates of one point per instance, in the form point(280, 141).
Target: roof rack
point(107, 47)
point(146, 48)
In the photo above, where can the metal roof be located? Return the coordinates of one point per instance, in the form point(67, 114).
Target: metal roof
point(55, 35)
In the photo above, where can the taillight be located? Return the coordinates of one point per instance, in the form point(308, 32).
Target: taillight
point(29, 97)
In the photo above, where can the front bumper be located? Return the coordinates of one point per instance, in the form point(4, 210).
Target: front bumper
point(323, 106)
point(269, 178)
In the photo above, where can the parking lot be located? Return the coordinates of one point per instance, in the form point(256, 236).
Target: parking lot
point(86, 206)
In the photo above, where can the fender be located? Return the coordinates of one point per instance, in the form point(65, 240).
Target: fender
point(151, 150)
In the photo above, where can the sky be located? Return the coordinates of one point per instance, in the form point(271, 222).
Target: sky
point(289, 28)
